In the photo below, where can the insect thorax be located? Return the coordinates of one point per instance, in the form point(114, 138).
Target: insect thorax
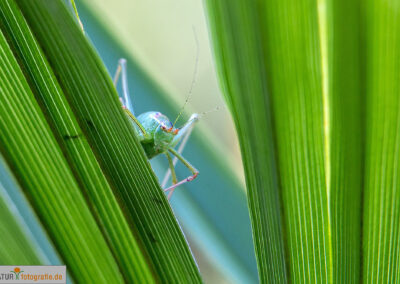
point(159, 130)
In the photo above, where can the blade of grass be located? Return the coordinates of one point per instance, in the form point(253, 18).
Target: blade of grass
point(296, 64)
point(234, 31)
point(78, 152)
point(381, 231)
point(341, 80)
point(93, 98)
point(32, 152)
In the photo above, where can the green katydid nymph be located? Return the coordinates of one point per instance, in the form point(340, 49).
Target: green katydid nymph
point(157, 134)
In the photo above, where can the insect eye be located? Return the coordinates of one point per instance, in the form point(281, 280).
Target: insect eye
point(163, 127)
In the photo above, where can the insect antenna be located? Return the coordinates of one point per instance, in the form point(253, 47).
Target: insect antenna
point(217, 108)
point(193, 79)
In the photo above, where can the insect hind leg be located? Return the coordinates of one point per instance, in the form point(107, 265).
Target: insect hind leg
point(172, 187)
point(122, 71)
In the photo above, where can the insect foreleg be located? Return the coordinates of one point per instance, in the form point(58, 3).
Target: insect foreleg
point(172, 168)
point(175, 160)
point(192, 169)
point(136, 121)
point(173, 173)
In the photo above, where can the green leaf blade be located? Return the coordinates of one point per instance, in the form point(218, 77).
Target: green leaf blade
point(30, 148)
point(303, 56)
point(94, 102)
point(381, 231)
point(78, 151)
point(347, 138)
point(256, 146)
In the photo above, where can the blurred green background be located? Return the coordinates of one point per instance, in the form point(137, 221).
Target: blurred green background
point(156, 37)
